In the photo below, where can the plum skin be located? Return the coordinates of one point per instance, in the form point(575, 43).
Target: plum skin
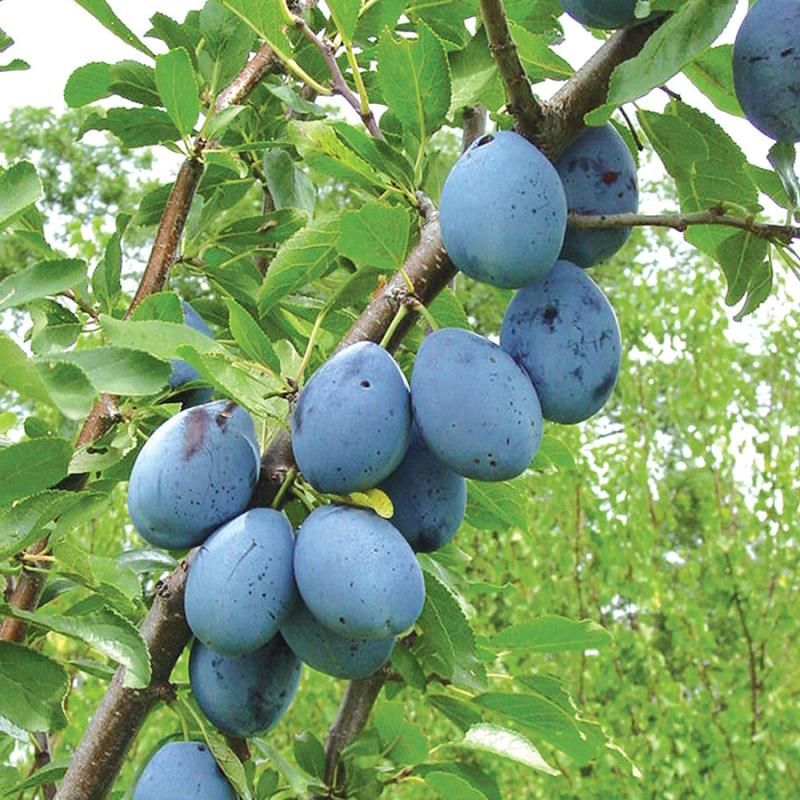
point(606, 14)
point(197, 471)
point(766, 68)
point(356, 573)
point(182, 372)
point(352, 422)
point(241, 582)
point(322, 649)
point(599, 177)
point(503, 212)
point(188, 765)
point(562, 330)
point(475, 408)
point(429, 499)
point(244, 695)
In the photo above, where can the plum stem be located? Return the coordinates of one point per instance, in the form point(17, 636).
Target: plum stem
point(779, 234)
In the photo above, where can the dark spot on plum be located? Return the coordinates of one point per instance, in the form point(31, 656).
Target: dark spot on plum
point(484, 140)
point(610, 177)
point(366, 384)
point(605, 386)
point(787, 52)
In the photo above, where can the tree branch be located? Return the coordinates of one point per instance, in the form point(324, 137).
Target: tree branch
point(338, 81)
point(105, 412)
point(782, 234)
point(588, 88)
point(521, 103)
point(429, 270)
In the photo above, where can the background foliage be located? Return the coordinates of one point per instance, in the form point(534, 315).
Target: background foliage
point(666, 524)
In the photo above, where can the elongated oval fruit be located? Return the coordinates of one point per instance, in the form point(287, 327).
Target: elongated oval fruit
point(185, 768)
point(474, 406)
point(503, 212)
point(564, 333)
point(197, 471)
point(599, 177)
point(241, 582)
point(429, 499)
point(244, 695)
point(766, 68)
point(606, 14)
point(352, 423)
point(328, 652)
point(357, 574)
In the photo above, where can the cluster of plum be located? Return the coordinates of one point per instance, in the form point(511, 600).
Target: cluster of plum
point(766, 57)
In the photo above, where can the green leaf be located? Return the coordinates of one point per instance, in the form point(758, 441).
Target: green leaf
point(446, 642)
point(415, 78)
point(547, 719)
point(741, 257)
point(712, 73)
point(178, 89)
point(448, 312)
point(508, 744)
point(88, 83)
point(104, 14)
point(783, 156)
point(453, 787)
point(119, 370)
point(265, 19)
point(106, 632)
point(25, 521)
point(49, 773)
point(134, 127)
point(248, 334)
point(345, 16)
point(685, 34)
point(376, 235)
point(54, 327)
point(553, 634)
point(17, 372)
point(498, 504)
point(20, 187)
point(300, 261)
point(289, 186)
point(68, 387)
point(32, 465)
point(553, 452)
point(160, 339)
point(539, 61)
point(32, 689)
point(40, 280)
point(458, 711)
point(161, 306)
point(309, 754)
point(106, 277)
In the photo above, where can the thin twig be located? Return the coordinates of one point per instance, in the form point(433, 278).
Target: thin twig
point(339, 84)
point(521, 103)
point(782, 234)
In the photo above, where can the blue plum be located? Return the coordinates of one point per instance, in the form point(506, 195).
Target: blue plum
point(197, 471)
point(357, 574)
point(503, 212)
point(184, 767)
point(766, 68)
point(607, 14)
point(599, 176)
point(474, 406)
point(244, 695)
point(429, 498)
point(563, 331)
point(241, 583)
point(352, 422)
point(328, 652)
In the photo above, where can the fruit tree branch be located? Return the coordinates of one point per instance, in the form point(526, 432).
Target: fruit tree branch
point(340, 86)
point(588, 88)
point(105, 412)
point(782, 234)
point(429, 269)
point(520, 100)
